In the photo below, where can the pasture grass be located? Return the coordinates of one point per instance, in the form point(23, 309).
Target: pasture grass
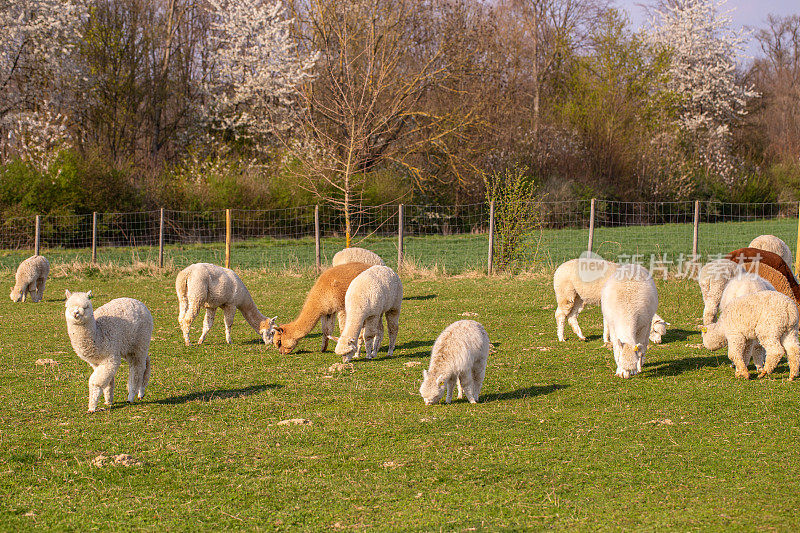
point(556, 442)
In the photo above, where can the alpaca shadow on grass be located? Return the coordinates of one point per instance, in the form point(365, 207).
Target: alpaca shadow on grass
point(686, 364)
point(677, 335)
point(425, 297)
point(527, 392)
point(217, 394)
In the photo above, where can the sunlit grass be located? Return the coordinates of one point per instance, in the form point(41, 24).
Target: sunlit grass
point(555, 442)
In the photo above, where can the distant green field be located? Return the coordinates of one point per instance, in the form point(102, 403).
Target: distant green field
point(452, 254)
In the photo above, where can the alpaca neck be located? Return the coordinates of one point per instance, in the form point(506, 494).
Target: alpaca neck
point(252, 315)
point(86, 339)
point(305, 322)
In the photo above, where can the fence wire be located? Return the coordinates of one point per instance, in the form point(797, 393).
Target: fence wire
point(453, 239)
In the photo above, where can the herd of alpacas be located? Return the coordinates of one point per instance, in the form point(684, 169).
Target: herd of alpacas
point(750, 303)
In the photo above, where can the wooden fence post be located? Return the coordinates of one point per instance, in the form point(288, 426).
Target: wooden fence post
point(797, 247)
point(37, 233)
point(161, 239)
point(318, 251)
point(591, 226)
point(227, 238)
point(399, 237)
point(696, 233)
point(94, 237)
point(489, 270)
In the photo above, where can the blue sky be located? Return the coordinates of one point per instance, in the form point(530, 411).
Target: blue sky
point(744, 13)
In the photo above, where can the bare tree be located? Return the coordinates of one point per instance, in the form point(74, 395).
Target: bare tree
point(777, 76)
point(367, 106)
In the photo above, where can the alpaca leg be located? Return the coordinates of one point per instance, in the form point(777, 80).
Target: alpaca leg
point(192, 310)
point(460, 389)
point(145, 376)
point(99, 381)
point(467, 384)
point(775, 352)
point(373, 335)
point(208, 321)
point(736, 348)
point(24, 292)
point(393, 326)
point(605, 333)
point(40, 289)
point(478, 374)
point(792, 346)
point(326, 327)
point(451, 382)
point(137, 368)
point(572, 317)
point(759, 356)
point(561, 319)
point(228, 312)
point(108, 393)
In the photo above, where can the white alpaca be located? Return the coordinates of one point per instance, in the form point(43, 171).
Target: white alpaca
point(629, 300)
point(579, 282)
point(712, 280)
point(375, 292)
point(30, 279)
point(773, 244)
point(745, 285)
point(211, 286)
point(357, 255)
point(767, 317)
point(120, 329)
point(458, 358)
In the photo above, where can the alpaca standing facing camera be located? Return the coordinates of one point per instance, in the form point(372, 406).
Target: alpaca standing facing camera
point(120, 329)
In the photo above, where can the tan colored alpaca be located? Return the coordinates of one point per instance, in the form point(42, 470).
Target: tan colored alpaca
point(324, 300)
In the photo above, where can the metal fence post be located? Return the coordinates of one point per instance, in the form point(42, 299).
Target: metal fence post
point(38, 226)
point(227, 238)
point(491, 238)
point(161, 239)
point(399, 237)
point(94, 237)
point(318, 250)
point(696, 233)
point(591, 226)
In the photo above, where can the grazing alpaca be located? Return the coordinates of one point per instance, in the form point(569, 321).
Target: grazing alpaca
point(30, 279)
point(323, 301)
point(376, 292)
point(458, 358)
point(211, 286)
point(120, 329)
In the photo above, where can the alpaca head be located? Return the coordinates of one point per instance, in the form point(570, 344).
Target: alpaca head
point(346, 347)
point(78, 307)
point(16, 295)
point(432, 388)
point(283, 342)
point(630, 359)
point(267, 329)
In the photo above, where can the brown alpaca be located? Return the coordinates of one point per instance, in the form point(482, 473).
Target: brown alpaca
point(324, 300)
point(751, 255)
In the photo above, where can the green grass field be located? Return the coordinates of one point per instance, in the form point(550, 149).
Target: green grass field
point(556, 442)
point(452, 254)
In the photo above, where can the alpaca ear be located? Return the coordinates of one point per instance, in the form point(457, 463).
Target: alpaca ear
point(334, 339)
point(89, 294)
point(424, 374)
point(67, 294)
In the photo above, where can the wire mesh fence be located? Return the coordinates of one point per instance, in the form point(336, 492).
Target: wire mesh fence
point(452, 238)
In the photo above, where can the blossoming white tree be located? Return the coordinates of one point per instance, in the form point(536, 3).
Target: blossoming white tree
point(704, 49)
point(37, 39)
point(255, 68)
